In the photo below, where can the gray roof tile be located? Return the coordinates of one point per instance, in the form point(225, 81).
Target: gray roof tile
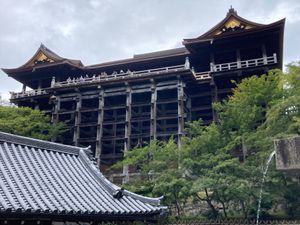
point(43, 177)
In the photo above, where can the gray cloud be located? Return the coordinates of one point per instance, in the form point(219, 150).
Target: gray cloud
point(95, 31)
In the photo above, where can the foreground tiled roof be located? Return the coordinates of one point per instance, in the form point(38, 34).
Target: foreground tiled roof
point(44, 178)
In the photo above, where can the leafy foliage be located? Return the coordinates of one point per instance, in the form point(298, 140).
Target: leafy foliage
point(28, 122)
point(161, 172)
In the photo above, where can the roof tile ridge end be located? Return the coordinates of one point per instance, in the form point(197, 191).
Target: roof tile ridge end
point(110, 187)
point(149, 200)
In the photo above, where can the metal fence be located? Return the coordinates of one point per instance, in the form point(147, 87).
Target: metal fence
point(232, 222)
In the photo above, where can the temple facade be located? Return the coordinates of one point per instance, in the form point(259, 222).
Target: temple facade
point(115, 106)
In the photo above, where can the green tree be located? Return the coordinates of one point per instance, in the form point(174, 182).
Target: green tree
point(261, 109)
point(217, 175)
point(161, 173)
point(28, 122)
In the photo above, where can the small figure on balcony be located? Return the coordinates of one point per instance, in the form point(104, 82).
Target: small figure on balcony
point(81, 79)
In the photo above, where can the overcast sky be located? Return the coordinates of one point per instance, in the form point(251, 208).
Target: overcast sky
point(96, 31)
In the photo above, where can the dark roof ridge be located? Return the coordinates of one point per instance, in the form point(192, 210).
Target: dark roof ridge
point(159, 53)
point(41, 144)
point(142, 57)
point(109, 186)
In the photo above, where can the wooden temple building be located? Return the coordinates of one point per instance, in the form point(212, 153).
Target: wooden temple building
point(115, 106)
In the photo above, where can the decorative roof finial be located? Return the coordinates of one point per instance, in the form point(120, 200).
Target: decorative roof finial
point(231, 11)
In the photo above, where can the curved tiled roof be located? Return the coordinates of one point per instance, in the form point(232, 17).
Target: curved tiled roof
point(40, 177)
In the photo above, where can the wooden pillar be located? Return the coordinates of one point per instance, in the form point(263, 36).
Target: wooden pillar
point(100, 127)
point(214, 98)
point(238, 58)
point(36, 106)
point(77, 122)
point(24, 88)
point(39, 85)
point(153, 116)
point(264, 54)
point(127, 131)
point(212, 62)
point(140, 127)
point(114, 131)
point(55, 110)
point(180, 100)
point(189, 108)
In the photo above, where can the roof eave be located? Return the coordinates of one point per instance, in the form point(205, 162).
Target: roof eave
point(97, 217)
point(15, 72)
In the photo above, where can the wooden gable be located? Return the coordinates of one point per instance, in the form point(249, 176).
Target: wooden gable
point(232, 22)
point(42, 56)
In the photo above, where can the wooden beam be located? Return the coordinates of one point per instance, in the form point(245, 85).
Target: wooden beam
point(167, 87)
point(203, 94)
point(202, 108)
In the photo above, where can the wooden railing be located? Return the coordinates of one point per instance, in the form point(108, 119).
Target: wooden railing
point(119, 76)
point(14, 95)
point(203, 75)
point(244, 64)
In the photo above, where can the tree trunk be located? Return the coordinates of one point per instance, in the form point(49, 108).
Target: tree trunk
point(209, 203)
point(177, 205)
point(224, 209)
point(244, 210)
